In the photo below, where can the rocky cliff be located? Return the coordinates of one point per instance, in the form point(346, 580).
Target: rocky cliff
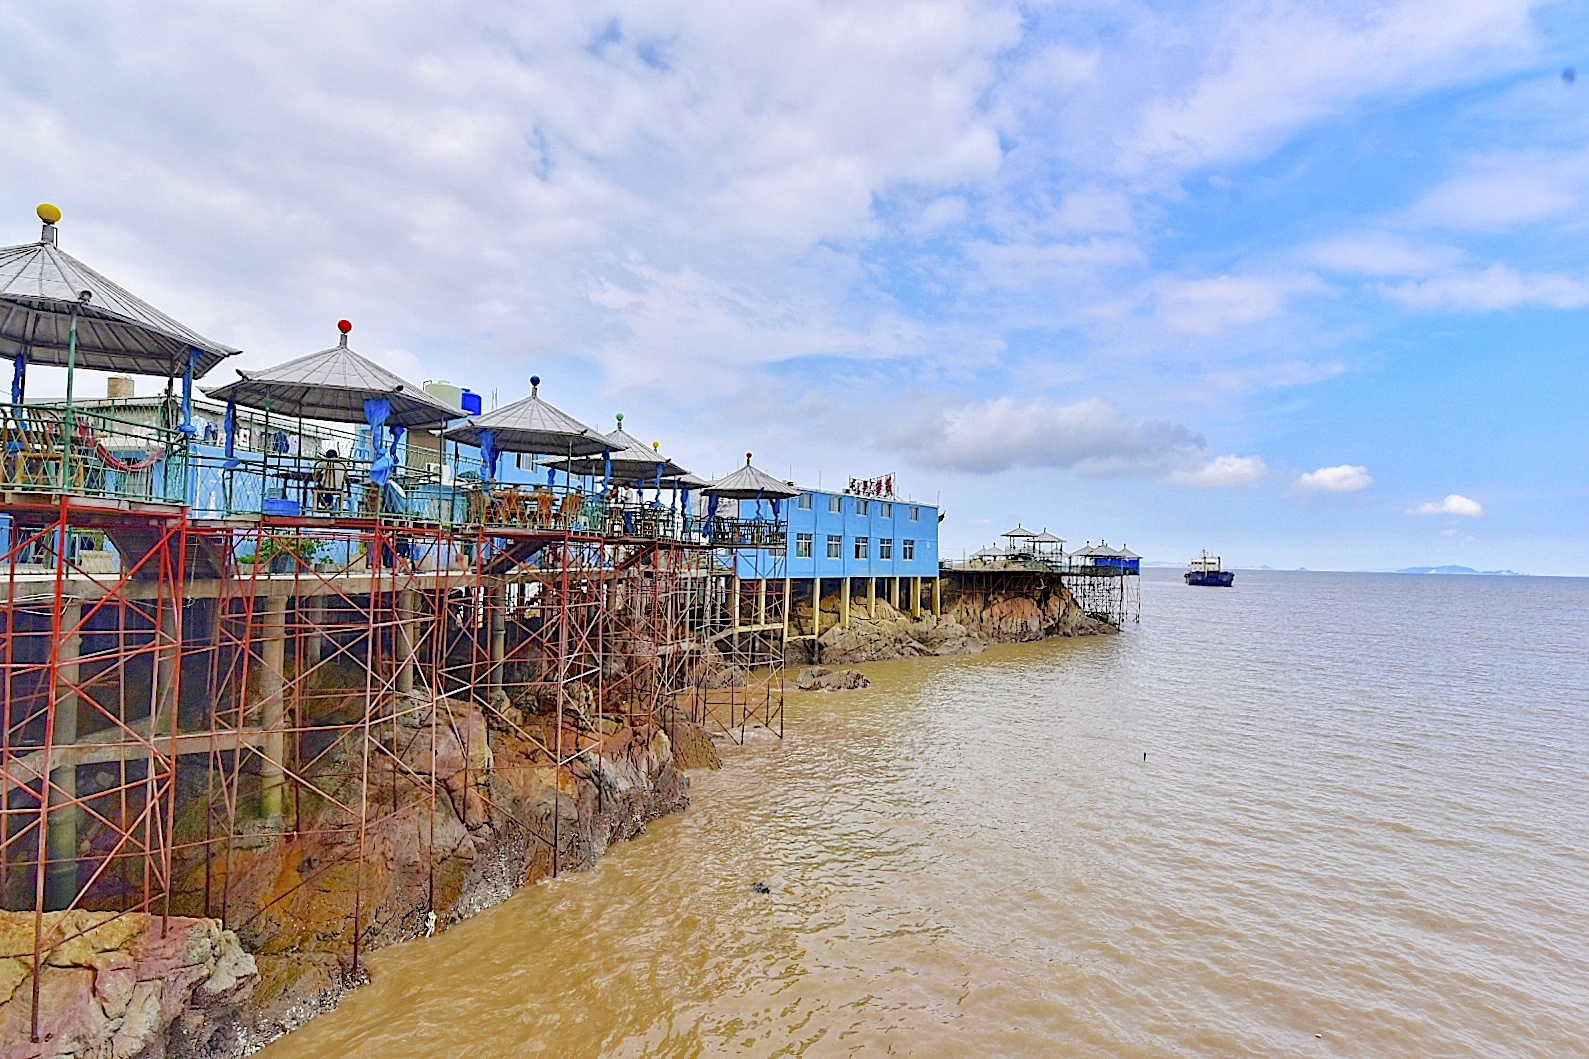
point(1031, 609)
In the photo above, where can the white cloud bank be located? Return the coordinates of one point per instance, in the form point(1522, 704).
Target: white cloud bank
point(1090, 436)
point(1346, 478)
point(1222, 472)
point(1455, 504)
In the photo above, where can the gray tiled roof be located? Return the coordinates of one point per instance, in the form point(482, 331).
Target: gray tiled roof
point(116, 330)
point(333, 385)
point(632, 459)
point(748, 483)
point(532, 425)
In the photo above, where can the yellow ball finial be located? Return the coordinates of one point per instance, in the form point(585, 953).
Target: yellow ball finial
point(655, 445)
point(49, 213)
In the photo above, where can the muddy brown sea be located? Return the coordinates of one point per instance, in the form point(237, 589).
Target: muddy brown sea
point(1359, 830)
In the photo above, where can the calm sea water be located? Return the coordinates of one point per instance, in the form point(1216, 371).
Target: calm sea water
point(1359, 831)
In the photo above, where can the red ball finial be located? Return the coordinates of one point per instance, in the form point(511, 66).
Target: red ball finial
point(747, 459)
point(344, 326)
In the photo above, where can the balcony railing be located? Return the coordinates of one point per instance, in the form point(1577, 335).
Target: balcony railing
point(91, 453)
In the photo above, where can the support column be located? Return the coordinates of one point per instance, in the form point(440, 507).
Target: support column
point(871, 597)
point(937, 597)
point(844, 603)
point(915, 596)
point(60, 882)
point(893, 592)
point(273, 649)
point(496, 600)
point(407, 609)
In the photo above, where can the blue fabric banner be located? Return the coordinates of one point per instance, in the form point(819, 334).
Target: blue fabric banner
point(376, 409)
point(488, 453)
point(187, 426)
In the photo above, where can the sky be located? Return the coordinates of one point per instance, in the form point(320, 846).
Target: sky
point(1300, 283)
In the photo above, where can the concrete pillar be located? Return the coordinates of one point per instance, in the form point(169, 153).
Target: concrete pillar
point(937, 597)
point(407, 611)
point(496, 604)
point(312, 611)
point(60, 882)
point(915, 597)
point(272, 714)
point(871, 597)
point(893, 592)
point(844, 603)
point(816, 606)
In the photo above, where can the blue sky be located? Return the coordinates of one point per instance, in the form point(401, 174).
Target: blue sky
point(1300, 283)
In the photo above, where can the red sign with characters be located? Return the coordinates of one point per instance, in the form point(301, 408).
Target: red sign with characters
point(882, 486)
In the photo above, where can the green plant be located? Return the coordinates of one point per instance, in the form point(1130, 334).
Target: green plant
point(305, 549)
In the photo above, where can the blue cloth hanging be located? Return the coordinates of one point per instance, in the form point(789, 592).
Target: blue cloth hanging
point(775, 511)
point(187, 426)
point(551, 477)
point(606, 471)
point(19, 375)
point(230, 427)
point(489, 454)
point(280, 443)
point(376, 409)
point(711, 507)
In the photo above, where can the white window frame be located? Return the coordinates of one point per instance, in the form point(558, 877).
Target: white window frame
point(861, 507)
point(915, 513)
point(885, 509)
point(835, 546)
point(885, 549)
point(835, 504)
point(862, 548)
point(805, 501)
point(908, 550)
point(803, 543)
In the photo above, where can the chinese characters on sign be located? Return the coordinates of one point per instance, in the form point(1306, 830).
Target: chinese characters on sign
point(882, 486)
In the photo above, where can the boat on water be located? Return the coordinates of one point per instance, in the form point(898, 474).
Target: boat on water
point(1206, 571)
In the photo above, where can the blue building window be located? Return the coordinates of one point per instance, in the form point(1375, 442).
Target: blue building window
point(886, 510)
point(861, 545)
point(915, 513)
point(802, 545)
point(835, 504)
point(909, 548)
point(885, 547)
point(860, 507)
point(805, 501)
point(835, 545)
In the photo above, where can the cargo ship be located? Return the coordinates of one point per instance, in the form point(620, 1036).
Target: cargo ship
point(1205, 571)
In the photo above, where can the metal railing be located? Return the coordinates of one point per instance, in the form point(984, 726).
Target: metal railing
point(86, 452)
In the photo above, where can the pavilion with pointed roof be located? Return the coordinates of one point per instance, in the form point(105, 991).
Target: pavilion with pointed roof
point(46, 294)
point(530, 425)
point(333, 385)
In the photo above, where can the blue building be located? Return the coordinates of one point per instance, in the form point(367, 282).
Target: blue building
point(862, 546)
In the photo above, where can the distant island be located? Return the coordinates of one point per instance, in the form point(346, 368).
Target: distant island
point(1458, 570)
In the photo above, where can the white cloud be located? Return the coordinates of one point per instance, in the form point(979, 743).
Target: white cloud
point(1379, 254)
point(1272, 70)
point(1497, 287)
point(1455, 504)
point(1345, 478)
point(1213, 305)
point(1509, 190)
point(1222, 472)
point(987, 437)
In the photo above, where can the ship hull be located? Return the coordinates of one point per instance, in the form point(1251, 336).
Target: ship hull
point(1210, 579)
